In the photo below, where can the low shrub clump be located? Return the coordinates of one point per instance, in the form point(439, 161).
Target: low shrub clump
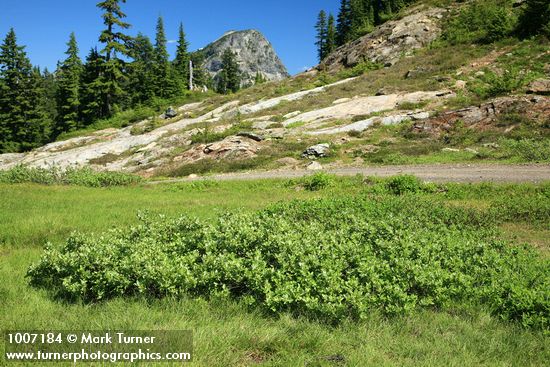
point(491, 84)
point(400, 185)
point(331, 259)
point(71, 176)
point(315, 182)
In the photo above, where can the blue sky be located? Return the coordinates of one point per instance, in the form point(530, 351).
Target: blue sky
point(44, 26)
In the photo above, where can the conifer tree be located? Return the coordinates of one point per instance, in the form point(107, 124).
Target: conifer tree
point(114, 40)
point(322, 29)
point(92, 94)
point(22, 126)
point(165, 83)
point(181, 62)
point(359, 22)
point(141, 71)
point(68, 93)
point(229, 79)
point(343, 28)
point(161, 60)
point(40, 124)
point(536, 18)
point(49, 96)
point(201, 78)
point(331, 35)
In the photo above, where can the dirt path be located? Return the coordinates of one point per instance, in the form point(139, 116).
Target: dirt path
point(432, 173)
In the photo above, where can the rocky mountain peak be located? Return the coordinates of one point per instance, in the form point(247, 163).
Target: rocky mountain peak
point(254, 53)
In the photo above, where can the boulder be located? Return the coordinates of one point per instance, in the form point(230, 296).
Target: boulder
point(170, 113)
point(251, 135)
point(382, 92)
point(539, 86)
point(460, 84)
point(316, 151)
point(314, 166)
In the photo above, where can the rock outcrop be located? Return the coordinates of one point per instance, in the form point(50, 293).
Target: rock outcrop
point(389, 41)
point(254, 54)
point(364, 106)
point(479, 117)
point(232, 147)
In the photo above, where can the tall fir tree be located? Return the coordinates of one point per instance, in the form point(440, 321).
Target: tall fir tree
point(42, 124)
point(68, 93)
point(92, 94)
point(229, 79)
point(114, 40)
point(49, 96)
point(201, 78)
point(165, 85)
point(22, 125)
point(343, 28)
point(181, 62)
point(321, 27)
point(141, 71)
point(330, 45)
point(360, 19)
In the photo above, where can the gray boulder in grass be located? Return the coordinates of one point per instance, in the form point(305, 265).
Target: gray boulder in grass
point(316, 151)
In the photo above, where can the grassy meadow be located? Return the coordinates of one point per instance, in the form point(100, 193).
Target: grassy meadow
point(227, 332)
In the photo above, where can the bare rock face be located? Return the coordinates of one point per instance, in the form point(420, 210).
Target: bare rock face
point(232, 147)
point(254, 52)
point(389, 41)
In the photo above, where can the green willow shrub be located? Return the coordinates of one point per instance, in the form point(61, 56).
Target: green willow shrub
point(24, 174)
point(332, 259)
point(405, 184)
point(317, 181)
point(71, 176)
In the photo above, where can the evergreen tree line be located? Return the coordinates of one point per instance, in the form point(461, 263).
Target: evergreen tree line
point(358, 17)
point(127, 72)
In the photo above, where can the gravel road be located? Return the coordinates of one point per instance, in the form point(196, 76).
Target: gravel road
point(432, 173)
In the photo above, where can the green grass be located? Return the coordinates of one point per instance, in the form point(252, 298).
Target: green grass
point(228, 333)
